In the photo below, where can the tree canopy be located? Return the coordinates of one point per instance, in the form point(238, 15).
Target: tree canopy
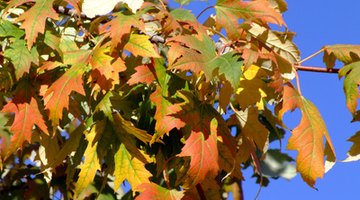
point(95, 93)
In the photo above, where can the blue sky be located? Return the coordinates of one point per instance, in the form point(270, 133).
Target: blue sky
point(317, 23)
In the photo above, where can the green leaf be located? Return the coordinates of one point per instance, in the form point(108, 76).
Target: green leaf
point(7, 29)
point(351, 84)
point(183, 15)
point(21, 57)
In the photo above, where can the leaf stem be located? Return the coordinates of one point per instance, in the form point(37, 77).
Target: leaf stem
point(297, 81)
point(202, 12)
point(311, 56)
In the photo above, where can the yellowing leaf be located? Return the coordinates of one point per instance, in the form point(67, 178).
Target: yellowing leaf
point(140, 45)
point(156, 192)
point(252, 128)
point(27, 115)
point(351, 84)
point(130, 168)
point(343, 52)
point(285, 48)
point(228, 13)
point(91, 162)
point(57, 96)
point(34, 19)
point(308, 137)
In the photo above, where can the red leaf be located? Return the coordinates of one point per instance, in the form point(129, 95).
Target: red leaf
point(27, 115)
point(201, 146)
point(57, 96)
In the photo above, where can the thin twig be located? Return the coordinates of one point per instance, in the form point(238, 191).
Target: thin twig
point(316, 69)
point(311, 56)
point(202, 12)
point(297, 81)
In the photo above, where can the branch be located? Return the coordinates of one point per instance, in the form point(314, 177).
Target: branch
point(316, 69)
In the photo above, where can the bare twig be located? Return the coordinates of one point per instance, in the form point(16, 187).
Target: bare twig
point(316, 69)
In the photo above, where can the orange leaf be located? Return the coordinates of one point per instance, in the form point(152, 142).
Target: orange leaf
point(307, 137)
point(201, 146)
point(27, 115)
point(35, 18)
point(57, 96)
point(164, 121)
point(228, 13)
point(120, 26)
point(156, 192)
point(144, 74)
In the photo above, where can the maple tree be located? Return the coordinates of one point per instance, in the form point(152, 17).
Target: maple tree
point(96, 93)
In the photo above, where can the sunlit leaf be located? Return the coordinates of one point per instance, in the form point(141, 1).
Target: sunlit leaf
point(129, 168)
point(351, 84)
point(342, 52)
point(308, 137)
point(154, 191)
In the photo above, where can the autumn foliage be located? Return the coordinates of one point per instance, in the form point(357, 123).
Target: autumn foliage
point(93, 95)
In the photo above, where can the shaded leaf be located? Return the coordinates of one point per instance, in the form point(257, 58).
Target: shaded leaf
point(307, 137)
point(143, 74)
point(354, 152)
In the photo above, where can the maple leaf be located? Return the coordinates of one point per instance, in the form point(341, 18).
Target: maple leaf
point(285, 48)
point(343, 52)
point(199, 54)
point(144, 74)
point(201, 146)
point(8, 29)
point(27, 115)
point(140, 45)
point(21, 57)
point(57, 96)
point(91, 162)
point(351, 84)
point(35, 18)
point(156, 192)
point(130, 168)
point(165, 122)
point(307, 137)
point(228, 13)
point(354, 152)
point(121, 26)
point(105, 72)
point(252, 128)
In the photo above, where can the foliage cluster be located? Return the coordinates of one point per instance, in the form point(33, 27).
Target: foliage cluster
point(93, 94)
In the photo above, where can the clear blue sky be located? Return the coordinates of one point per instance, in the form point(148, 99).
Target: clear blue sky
point(317, 23)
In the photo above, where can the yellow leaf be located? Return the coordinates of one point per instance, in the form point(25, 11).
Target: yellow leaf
point(129, 168)
point(91, 162)
point(139, 45)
